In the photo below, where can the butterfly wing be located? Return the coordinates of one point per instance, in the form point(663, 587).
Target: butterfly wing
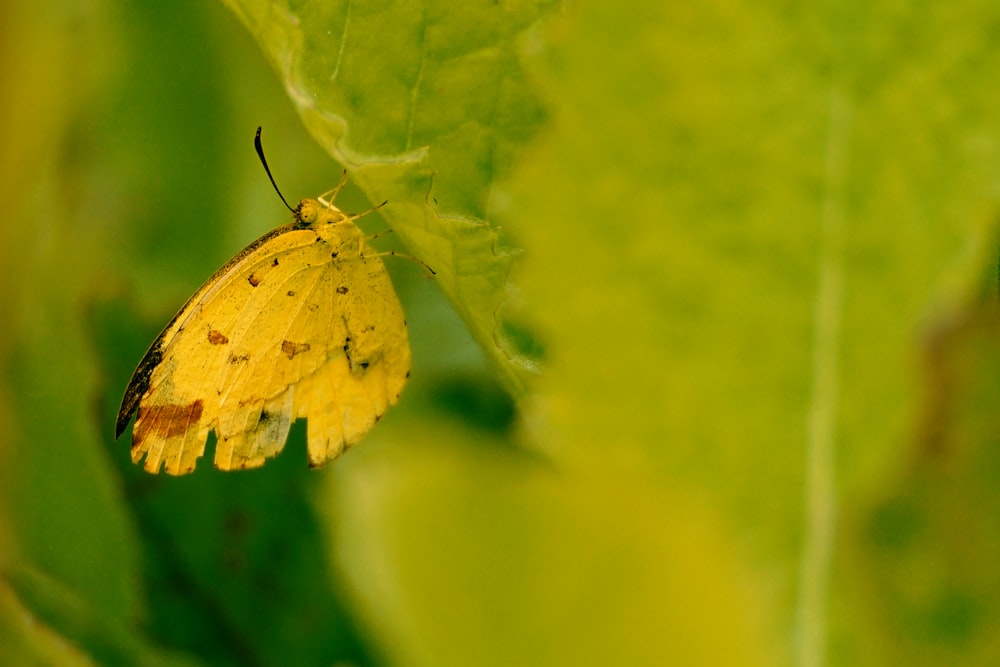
point(368, 361)
point(297, 325)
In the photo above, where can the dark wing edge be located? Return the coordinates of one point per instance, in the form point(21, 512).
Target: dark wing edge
point(139, 384)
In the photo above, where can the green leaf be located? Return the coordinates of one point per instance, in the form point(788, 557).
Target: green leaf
point(480, 556)
point(769, 205)
point(425, 104)
point(42, 618)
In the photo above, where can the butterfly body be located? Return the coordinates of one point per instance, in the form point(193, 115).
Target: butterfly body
point(303, 323)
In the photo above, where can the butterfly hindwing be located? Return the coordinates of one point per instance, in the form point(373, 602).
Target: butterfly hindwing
point(344, 398)
point(303, 323)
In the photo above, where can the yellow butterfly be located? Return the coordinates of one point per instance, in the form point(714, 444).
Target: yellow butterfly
point(304, 322)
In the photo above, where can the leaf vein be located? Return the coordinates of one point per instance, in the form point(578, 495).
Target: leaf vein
point(415, 90)
point(343, 42)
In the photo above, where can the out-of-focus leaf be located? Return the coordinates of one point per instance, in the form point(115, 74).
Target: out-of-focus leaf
point(57, 627)
point(63, 511)
point(737, 229)
point(463, 556)
point(26, 641)
point(925, 548)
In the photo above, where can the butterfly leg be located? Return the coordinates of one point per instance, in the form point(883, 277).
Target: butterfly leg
point(334, 192)
point(379, 234)
point(355, 216)
point(392, 253)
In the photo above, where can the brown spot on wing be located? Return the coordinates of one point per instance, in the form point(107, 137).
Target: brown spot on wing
point(166, 421)
point(238, 358)
point(216, 337)
point(253, 279)
point(341, 290)
point(291, 349)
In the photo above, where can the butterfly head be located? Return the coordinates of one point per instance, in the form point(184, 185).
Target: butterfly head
point(312, 213)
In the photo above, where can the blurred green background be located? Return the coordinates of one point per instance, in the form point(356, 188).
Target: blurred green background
point(742, 407)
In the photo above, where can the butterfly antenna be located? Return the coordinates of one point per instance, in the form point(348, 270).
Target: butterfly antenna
point(263, 161)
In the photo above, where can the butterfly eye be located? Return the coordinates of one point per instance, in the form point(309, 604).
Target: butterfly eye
point(307, 212)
